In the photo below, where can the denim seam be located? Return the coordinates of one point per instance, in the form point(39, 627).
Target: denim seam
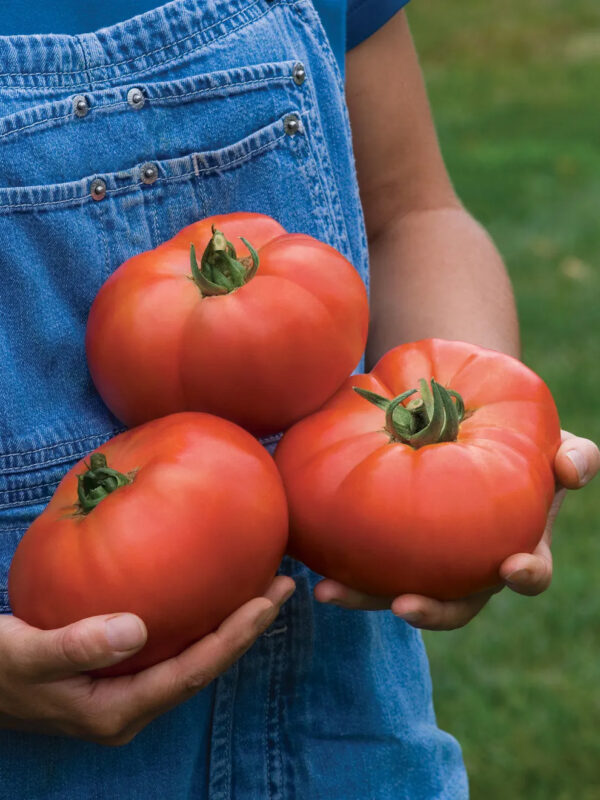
point(326, 195)
point(35, 465)
point(30, 502)
point(154, 100)
point(272, 724)
point(102, 226)
point(267, 721)
point(240, 159)
point(114, 432)
point(222, 735)
point(129, 187)
point(152, 211)
point(29, 487)
point(182, 56)
point(330, 189)
point(141, 55)
point(86, 60)
point(301, 7)
point(160, 64)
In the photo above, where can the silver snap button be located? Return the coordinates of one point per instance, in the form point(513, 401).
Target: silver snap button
point(149, 173)
point(299, 73)
point(98, 189)
point(80, 105)
point(135, 98)
point(291, 124)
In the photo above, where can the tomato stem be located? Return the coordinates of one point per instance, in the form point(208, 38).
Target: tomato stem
point(98, 482)
point(433, 417)
point(220, 271)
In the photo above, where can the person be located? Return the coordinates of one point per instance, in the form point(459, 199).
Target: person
point(110, 142)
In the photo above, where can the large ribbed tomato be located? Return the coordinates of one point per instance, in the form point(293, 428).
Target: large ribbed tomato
point(180, 521)
point(411, 493)
point(260, 338)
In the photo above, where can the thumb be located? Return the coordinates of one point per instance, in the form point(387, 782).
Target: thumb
point(90, 643)
point(577, 461)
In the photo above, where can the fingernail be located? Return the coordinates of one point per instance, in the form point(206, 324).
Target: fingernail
point(578, 461)
point(518, 576)
point(124, 632)
point(411, 616)
point(288, 594)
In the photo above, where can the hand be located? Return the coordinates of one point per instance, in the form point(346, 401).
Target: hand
point(43, 688)
point(576, 463)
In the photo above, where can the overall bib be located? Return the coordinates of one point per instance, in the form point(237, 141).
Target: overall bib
point(110, 143)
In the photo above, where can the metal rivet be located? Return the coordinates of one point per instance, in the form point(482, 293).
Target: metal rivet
point(299, 73)
point(98, 189)
point(291, 124)
point(135, 98)
point(149, 172)
point(80, 105)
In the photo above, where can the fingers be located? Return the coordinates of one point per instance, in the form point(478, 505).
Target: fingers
point(439, 615)
point(529, 573)
point(577, 461)
point(137, 699)
point(44, 692)
point(330, 591)
point(91, 643)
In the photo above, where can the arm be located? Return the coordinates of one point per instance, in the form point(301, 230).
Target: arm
point(434, 272)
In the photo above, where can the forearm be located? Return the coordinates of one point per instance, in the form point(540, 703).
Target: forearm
point(437, 273)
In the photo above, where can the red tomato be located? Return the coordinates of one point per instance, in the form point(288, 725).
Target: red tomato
point(426, 500)
point(194, 524)
point(260, 345)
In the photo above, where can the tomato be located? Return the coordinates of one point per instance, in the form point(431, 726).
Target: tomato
point(411, 493)
point(187, 522)
point(261, 337)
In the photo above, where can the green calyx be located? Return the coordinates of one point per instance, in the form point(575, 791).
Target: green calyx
point(434, 417)
point(220, 271)
point(98, 482)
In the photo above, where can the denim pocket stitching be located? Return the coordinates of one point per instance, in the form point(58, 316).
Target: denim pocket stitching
point(239, 159)
point(30, 502)
point(83, 183)
point(157, 100)
point(57, 444)
point(33, 486)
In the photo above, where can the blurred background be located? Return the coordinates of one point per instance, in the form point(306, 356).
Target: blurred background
point(514, 91)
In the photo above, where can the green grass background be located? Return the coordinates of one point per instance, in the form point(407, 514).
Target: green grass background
point(514, 90)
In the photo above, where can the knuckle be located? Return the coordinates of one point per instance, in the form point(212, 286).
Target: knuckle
point(76, 649)
point(105, 728)
point(196, 681)
point(118, 741)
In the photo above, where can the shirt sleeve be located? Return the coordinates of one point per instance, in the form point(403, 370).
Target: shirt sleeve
point(364, 17)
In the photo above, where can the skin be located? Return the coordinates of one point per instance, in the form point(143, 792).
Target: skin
point(421, 242)
point(42, 688)
point(424, 244)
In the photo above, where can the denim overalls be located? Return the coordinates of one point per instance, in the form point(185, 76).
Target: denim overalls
point(111, 142)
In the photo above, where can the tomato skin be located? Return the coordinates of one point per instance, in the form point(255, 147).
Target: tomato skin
point(200, 531)
point(263, 356)
point(386, 518)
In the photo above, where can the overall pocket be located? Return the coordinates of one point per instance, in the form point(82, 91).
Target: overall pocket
point(237, 140)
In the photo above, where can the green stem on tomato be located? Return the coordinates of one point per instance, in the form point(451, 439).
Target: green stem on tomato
point(433, 417)
point(98, 482)
point(220, 271)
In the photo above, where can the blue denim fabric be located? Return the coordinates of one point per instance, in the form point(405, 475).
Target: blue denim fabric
point(328, 703)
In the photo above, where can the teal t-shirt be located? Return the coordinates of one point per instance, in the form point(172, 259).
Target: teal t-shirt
point(346, 22)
